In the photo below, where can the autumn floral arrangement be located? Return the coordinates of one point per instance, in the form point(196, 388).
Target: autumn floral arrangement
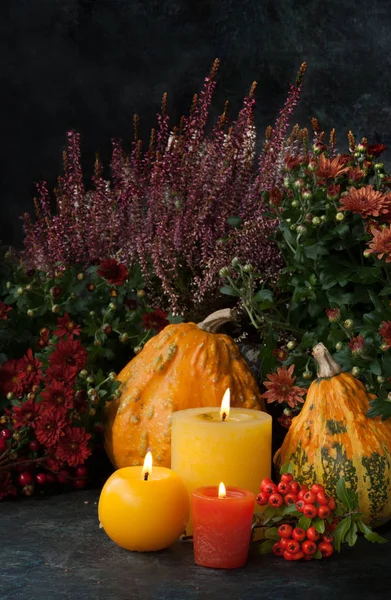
point(334, 235)
point(64, 335)
point(105, 268)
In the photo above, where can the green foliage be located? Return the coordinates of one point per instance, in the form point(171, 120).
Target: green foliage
point(327, 266)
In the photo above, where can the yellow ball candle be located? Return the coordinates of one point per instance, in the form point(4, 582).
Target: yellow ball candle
point(144, 508)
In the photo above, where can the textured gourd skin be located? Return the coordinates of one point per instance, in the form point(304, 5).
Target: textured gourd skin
point(332, 438)
point(182, 367)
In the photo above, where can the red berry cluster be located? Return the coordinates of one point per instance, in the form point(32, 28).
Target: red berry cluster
point(295, 542)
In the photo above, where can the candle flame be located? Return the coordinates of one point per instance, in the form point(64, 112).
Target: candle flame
point(222, 490)
point(147, 468)
point(225, 405)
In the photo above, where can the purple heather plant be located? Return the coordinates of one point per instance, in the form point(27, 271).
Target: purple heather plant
point(182, 208)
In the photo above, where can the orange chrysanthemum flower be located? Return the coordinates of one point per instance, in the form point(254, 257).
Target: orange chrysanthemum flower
point(381, 243)
point(281, 387)
point(366, 202)
point(330, 169)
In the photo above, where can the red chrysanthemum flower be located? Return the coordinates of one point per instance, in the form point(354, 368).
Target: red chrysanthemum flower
point(69, 357)
point(330, 168)
point(4, 310)
point(30, 372)
point(50, 426)
point(285, 421)
point(385, 332)
point(73, 446)
point(333, 191)
point(53, 464)
point(130, 303)
point(281, 387)
point(356, 344)
point(376, 149)
point(366, 202)
point(155, 320)
point(81, 402)
point(333, 314)
point(66, 327)
point(6, 486)
point(25, 414)
point(275, 197)
point(114, 272)
point(281, 354)
point(381, 243)
point(9, 378)
point(355, 174)
point(57, 393)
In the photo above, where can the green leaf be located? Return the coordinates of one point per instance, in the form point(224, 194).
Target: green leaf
point(319, 525)
point(315, 250)
point(287, 468)
point(229, 291)
point(351, 536)
point(340, 532)
point(370, 535)
point(317, 554)
point(344, 495)
point(291, 510)
point(271, 533)
point(304, 522)
point(266, 546)
point(379, 406)
point(265, 298)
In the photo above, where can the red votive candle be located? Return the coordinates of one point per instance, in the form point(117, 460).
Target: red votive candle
point(222, 526)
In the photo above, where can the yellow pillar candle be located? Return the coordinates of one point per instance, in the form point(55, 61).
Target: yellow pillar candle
point(209, 445)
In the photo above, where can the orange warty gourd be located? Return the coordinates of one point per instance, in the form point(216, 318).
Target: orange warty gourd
point(184, 366)
point(332, 437)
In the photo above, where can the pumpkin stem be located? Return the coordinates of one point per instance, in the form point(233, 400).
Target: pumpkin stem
point(213, 321)
point(327, 367)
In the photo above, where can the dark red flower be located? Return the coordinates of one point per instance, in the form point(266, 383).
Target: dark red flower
point(50, 425)
point(333, 314)
point(333, 191)
point(81, 402)
point(57, 393)
point(130, 303)
point(275, 197)
point(4, 310)
point(281, 354)
point(285, 421)
point(69, 357)
point(376, 149)
point(25, 414)
point(385, 332)
point(355, 174)
point(356, 344)
point(6, 486)
point(66, 327)
point(73, 446)
point(155, 320)
point(9, 378)
point(114, 272)
point(53, 464)
point(30, 372)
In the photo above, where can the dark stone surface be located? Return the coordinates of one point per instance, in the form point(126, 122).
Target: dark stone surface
point(52, 549)
point(91, 64)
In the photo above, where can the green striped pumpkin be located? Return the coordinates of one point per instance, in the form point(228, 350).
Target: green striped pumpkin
point(332, 437)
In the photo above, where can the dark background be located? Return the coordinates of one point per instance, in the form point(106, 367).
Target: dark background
point(90, 64)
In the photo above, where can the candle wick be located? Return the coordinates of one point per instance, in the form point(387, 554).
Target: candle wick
point(223, 416)
point(146, 475)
